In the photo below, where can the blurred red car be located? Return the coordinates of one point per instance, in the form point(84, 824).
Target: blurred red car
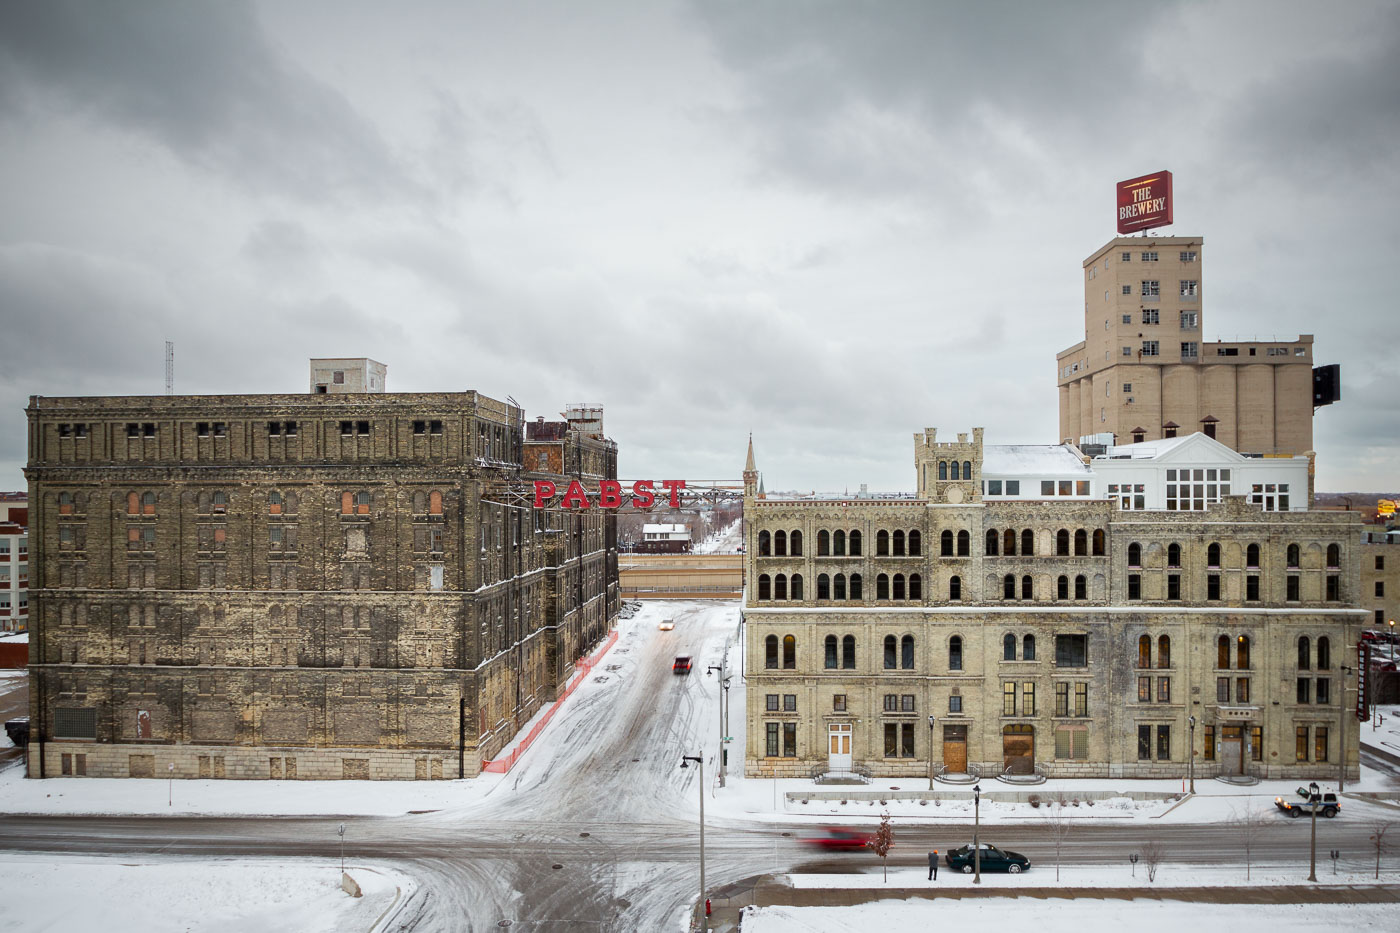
point(839, 839)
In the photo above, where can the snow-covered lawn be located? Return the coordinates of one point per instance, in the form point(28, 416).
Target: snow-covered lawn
point(203, 895)
point(1068, 916)
point(1386, 735)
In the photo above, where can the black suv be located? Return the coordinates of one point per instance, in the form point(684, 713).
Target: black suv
point(993, 859)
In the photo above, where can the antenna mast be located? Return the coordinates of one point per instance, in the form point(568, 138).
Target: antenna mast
point(169, 367)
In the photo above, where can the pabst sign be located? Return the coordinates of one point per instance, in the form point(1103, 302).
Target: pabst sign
point(609, 495)
point(1145, 202)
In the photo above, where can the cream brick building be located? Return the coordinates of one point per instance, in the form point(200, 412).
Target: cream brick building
point(1145, 370)
point(1062, 634)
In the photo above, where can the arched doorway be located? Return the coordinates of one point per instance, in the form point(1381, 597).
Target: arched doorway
point(1018, 748)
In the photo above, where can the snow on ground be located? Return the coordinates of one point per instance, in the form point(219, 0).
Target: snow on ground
point(1068, 916)
point(200, 895)
point(1383, 731)
point(1357, 869)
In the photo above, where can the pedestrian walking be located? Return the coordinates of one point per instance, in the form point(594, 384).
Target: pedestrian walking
point(933, 865)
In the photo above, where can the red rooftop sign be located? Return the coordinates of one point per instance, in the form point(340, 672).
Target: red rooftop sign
point(609, 495)
point(1145, 202)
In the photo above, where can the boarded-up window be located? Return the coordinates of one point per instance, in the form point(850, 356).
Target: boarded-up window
point(347, 503)
point(75, 723)
point(434, 503)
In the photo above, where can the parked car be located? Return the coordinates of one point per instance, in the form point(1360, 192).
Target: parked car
point(993, 859)
point(667, 624)
point(840, 839)
point(1328, 806)
point(681, 665)
point(18, 730)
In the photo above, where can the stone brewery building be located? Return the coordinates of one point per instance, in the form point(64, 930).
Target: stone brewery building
point(1034, 609)
point(304, 586)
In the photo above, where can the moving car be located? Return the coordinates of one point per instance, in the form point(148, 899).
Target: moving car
point(993, 859)
point(682, 664)
point(667, 624)
point(1327, 806)
point(838, 838)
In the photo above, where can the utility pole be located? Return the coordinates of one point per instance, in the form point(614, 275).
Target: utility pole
point(700, 760)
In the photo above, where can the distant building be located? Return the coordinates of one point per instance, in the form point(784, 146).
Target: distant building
point(1145, 370)
point(348, 375)
point(664, 539)
point(1380, 576)
point(14, 562)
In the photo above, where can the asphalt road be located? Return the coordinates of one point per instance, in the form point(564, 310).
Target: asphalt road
point(594, 833)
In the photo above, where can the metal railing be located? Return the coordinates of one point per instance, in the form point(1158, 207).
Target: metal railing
point(821, 774)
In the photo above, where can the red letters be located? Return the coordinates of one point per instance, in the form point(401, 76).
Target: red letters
point(575, 496)
point(675, 485)
point(609, 494)
point(642, 496)
point(544, 491)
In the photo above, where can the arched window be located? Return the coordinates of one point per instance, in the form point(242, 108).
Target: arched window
point(955, 652)
point(1173, 555)
point(435, 502)
point(964, 544)
point(823, 543)
point(1081, 543)
point(897, 544)
point(829, 661)
point(906, 653)
point(916, 586)
point(1324, 653)
point(882, 543)
point(218, 502)
point(1213, 555)
point(855, 587)
point(882, 587)
point(993, 542)
point(839, 587)
point(795, 543)
point(1164, 651)
point(1135, 555)
point(898, 586)
point(1028, 648)
point(1222, 653)
point(1242, 652)
point(1334, 554)
point(967, 469)
point(943, 469)
point(854, 538)
point(133, 504)
point(1008, 587)
point(1062, 543)
point(1251, 557)
point(848, 653)
point(954, 474)
point(765, 544)
point(1081, 587)
point(1304, 653)
point(823, 586)
point(789, 653)
point(916, 543)
point(362, 503)
point(795, 586)
point(1062, 587)
point(891, 652)
point(770, 652)
point(148, 504)
point(1144, 651)
point(1098, 542)
point(1008, 543)
point(1026, 587)
point(1293, 556)
point(780, 544)
point(1027, 542)
point(946, 544)
point(779, 586)
point(274, 503)
point(765, 586)
point(838, 543)
point(1008, 647)
point(65, 503)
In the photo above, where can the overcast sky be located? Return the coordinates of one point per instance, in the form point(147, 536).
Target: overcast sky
point(830, 224)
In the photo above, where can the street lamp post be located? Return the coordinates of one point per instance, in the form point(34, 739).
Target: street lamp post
point(931, 721)
point(1314, 797)
point(340, 831)
point(1342, 732)
point(724, 695)
point(1191, 754)
point(699, 760)
point(976, 826)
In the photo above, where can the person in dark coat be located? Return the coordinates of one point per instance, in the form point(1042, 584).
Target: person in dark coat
point(933, 865)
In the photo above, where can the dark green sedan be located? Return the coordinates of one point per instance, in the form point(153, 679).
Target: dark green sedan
point(993, 859)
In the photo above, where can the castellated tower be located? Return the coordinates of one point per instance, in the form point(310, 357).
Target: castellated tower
point(950, 472)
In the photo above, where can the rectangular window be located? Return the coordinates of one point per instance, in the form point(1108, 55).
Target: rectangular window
point(1127, 388)
point(75, 723)
point(1127, 289)
point(891, 740)
point(1222, 690)
point(1173, 586)
point(1134, 586)
point(1047, 487)
point(1150, 288)
point(1334, 588)
point(1323, 691)
point(1300, 743)
point(1164, 743)
point(789, 740)
point(906, 703)
point(1190, 350)
point(1062, 699)
point(1213, 586)
point(993, 487)
point(1380, 587)
point(1292, 589)
point(1190, 320)
point(1149, 347)
point(1319, 743)
point(1144, 743)
point(1144, 689)
point(1126, 256)
point(891, 703)
point(772, 730)
point(789, 702)
point(1189, 288)
point(906, 740)
point(955, 704)
point(1380, 562)
point(1251, 587)
point(1151, 316)
point(772, 701)
point(1081, 700)
point(1164, 689)
point(1188, 255)
point(1013, 487)
point(1256, 742)
point(1127, 351)
point(838, 703)
point(1242, 690)
point(1066, 486)
point(1149, 256)
point(1071, 650)
point(1127, 319)
point(1008, 699)
point(1304, 693)
point(1027, 699)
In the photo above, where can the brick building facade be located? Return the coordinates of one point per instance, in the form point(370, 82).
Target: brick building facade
point(302, 586)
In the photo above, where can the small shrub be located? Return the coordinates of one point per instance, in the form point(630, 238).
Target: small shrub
point(1034, 801)
point(882, 803)
point(924, 802)
point(1076, 801)
point(1088, 802)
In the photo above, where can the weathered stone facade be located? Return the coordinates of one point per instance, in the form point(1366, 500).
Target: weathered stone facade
point(309, 586)
point(1063, 636)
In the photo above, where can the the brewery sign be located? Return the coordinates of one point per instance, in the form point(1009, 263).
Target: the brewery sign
point(1145, 202)
point(608, 496)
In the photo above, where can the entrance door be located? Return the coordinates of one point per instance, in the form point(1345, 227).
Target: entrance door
point(1018, 749)
point(955, 749)
point(1232, 750)
point(838, 754)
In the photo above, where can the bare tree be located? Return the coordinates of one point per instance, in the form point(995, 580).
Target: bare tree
point(1247, 823)
point(1059, 825)
point(1378, 831)
point(1152, 855)
point(881, 842)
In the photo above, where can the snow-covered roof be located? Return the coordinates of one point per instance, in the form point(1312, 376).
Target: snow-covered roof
point(665, 529)
point(1031, 460)
point(1192, 446)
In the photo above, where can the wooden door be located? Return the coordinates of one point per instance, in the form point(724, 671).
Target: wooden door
point(1232, 750)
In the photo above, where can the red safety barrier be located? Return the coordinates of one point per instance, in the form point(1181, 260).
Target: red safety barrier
point(582, 669)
